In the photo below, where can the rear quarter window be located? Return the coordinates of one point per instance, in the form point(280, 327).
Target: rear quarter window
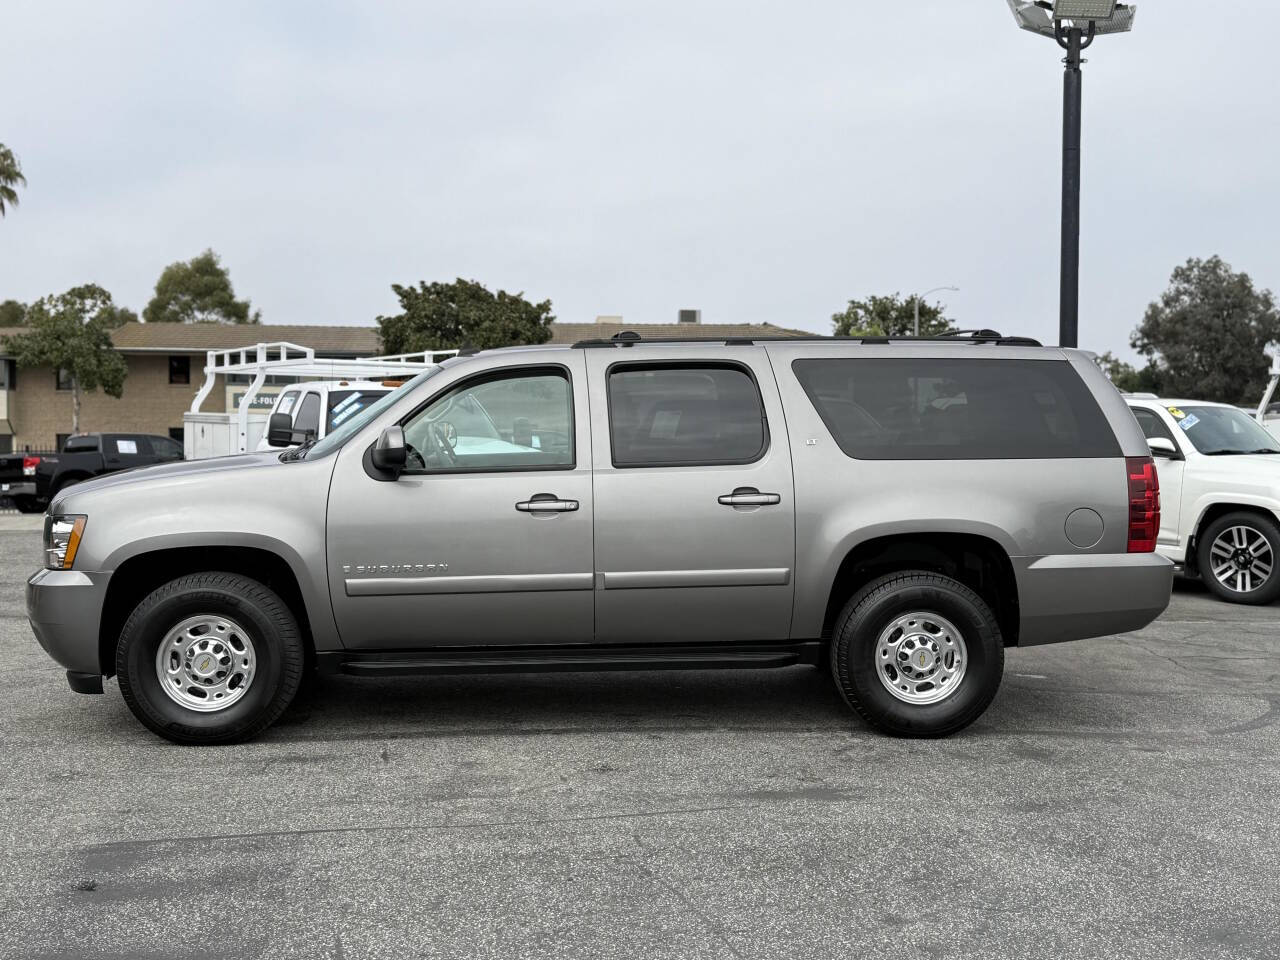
point(899, 408)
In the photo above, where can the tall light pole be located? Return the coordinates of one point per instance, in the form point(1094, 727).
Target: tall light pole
point(1073, 24)
point(922, 296)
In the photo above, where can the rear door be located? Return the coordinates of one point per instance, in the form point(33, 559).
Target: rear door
point(121, 451)
point(695, 518)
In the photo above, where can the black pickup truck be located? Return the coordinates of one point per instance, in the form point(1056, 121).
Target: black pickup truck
point(30, 480)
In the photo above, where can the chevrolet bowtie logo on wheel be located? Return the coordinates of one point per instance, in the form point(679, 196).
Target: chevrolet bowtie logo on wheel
point(923, 658)
point(206, 663)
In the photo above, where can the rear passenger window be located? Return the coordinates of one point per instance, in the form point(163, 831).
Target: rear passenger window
point(684, 415)
point(956, 409)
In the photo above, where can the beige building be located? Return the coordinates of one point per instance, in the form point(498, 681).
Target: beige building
point(166, 367)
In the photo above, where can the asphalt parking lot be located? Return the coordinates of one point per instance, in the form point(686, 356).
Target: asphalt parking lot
point(1120, 799)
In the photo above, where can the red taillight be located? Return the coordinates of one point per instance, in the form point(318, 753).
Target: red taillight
point(29, 466)
point(1144, 504)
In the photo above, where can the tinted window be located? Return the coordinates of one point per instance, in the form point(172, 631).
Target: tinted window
point(308, 418)
point(956, 409)
point(519, 421)
point(684, 415)
point(166, 448)
point(129, 446)
point(81, 444)
point(345, 404)
point(1153, 427)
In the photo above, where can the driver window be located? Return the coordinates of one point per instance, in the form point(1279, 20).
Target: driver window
point(513, 421)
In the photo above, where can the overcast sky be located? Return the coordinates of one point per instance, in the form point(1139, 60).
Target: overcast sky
point(763, 162)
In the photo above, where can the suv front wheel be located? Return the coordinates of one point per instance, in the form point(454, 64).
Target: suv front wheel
point(917, 654)
point(210, 658)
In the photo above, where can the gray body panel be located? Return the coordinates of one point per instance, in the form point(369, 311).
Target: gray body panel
point(650, 555)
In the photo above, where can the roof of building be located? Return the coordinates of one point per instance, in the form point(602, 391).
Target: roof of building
point(363, 341)
point(356, 341)
point(573, 332)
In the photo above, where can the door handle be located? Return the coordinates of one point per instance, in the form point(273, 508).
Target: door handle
point(749, 497)
point(546, 503)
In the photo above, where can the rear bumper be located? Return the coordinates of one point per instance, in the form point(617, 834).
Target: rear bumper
point(65, 610)
point(1072, 597)
point(24, 489)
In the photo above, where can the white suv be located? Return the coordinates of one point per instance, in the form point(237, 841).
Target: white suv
point(1220, 494)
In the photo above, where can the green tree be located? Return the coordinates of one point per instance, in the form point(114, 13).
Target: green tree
point(1126, 377)
point(72, 332)
point(10, 179)
point(197, 291)
point(12, 313)
point(1207, 333)
point(448, 316)
point(892, 316)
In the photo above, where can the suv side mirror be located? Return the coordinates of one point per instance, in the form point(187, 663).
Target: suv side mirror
point(280, 430)
point(389, 452)
point(1163, 447)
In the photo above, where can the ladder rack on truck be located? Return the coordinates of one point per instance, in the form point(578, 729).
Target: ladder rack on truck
point(283, 359)
point(1271, 387)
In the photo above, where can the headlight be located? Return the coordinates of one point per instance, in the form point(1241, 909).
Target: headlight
point(62, 540)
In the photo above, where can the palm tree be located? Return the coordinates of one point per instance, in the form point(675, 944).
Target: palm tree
point(10, 177)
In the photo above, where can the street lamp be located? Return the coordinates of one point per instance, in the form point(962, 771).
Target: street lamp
point(1073, 24)
point(922, 296)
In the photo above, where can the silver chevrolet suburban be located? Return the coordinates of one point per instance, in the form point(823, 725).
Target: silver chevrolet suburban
point(894, 511)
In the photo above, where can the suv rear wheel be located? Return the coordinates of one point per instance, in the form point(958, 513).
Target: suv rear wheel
point(210, 658)
point(1237, 556)
point(917, 654)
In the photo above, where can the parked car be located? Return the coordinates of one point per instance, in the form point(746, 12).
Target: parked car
point(32, 479)
point(897, 512)
point(315, 408)
point(1220, 494)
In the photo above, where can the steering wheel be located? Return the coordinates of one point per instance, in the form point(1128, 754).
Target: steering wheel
point(440, 434)
point(413, 460)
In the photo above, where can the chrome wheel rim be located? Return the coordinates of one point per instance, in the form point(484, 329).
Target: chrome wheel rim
point(1241, 558)
point(206, 663)
point(921, 658)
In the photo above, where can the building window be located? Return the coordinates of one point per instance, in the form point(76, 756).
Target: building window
point(62, 379)
point(62, 441)
point(176, 433)
point(8, 375)
point(6, 443)
point(180, 370)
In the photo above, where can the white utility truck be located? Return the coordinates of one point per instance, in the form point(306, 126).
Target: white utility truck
point(244, 430)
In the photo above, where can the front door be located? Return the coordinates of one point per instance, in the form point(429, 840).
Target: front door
point(486, 537)
point(695, 519)
point(1169, 471)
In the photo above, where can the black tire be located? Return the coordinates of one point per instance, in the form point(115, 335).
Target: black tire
point(1264, 527)
point(277, 643)
point(855, 666)
point(28, 505)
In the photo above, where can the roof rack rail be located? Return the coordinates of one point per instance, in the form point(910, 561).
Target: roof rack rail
point(629, 338)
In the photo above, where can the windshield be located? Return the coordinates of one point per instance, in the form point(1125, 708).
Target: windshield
point(1222, 431)
point(355, 424)
point(345, 404)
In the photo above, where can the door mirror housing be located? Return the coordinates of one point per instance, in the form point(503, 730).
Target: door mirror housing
point(389, 453)
point(1163, 447)
point(280, 430)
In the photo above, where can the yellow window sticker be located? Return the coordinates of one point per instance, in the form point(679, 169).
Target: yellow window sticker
point(1176, 413)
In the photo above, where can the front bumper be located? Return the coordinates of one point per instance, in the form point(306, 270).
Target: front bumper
point(65, 610)
point(1075, 596)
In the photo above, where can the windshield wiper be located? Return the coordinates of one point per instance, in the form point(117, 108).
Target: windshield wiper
point(299, 452)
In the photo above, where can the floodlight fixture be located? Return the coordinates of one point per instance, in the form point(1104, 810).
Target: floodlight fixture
point(1083, 9)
